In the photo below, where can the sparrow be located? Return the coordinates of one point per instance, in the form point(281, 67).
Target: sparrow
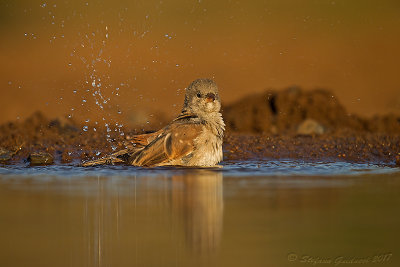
point(194, 138)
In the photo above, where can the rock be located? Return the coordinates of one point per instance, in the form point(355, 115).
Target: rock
point(283, 110)
point(41, 158)
point(397, 160)
point(310, 127)
point(389, 123)
point(251, 114)
point(5, 155)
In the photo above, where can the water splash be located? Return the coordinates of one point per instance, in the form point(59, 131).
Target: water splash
point(96, 92)
point(97, 86)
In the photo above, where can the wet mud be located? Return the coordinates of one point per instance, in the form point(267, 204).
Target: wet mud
point(291, 124)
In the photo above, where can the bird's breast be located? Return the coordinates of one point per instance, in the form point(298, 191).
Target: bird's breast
point(208, 149)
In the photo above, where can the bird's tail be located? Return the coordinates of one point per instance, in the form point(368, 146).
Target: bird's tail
point(119, 157)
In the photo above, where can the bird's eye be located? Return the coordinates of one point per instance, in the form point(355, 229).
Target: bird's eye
point(198, 95)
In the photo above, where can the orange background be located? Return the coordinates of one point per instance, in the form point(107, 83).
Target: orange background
point(151, 50)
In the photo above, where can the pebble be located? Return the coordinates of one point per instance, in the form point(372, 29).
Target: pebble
point(5, 155)
point(310, 127)
point(398, 160)
point(40, 158)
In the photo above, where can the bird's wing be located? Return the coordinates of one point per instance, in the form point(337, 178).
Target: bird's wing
point(134, 144)
point(176, 142)
point(141, 140)
point(185, 115)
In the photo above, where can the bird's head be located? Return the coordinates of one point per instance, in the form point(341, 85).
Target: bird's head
point(202, 97)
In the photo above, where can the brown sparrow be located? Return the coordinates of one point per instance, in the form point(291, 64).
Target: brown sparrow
point(194, 138)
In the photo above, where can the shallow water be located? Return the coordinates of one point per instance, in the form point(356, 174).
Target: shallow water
point(253, 213)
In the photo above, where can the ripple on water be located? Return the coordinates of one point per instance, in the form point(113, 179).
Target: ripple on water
point(230, 168)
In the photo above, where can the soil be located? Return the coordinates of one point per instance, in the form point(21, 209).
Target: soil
point(284, 111)
point(258, 126)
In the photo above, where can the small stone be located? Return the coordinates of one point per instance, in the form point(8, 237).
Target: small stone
point(41, 158)
point(398, 160)
point(5, 155)
point(310, 127)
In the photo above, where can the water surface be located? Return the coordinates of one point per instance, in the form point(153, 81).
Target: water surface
point(254, 213)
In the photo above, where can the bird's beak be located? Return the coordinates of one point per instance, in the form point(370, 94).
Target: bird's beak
point(210, 97)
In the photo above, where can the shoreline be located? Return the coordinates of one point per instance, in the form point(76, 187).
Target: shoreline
point(67, 143)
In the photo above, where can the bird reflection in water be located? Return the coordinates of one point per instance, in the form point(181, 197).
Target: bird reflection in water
point(197, 198)
point(134, 215)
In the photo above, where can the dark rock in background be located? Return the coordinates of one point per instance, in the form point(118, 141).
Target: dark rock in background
point(283, 112)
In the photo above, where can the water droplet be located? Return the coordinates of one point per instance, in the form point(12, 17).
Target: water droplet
point(74, 91)
point(87, 120)
point(85, 128)
point(98, 153)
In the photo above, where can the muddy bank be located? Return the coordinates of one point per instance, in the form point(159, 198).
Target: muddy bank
point(39, 139)
point(295, 111)
point(353, 148)
point(65, 140)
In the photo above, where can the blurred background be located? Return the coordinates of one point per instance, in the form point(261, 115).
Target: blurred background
point(129, 61)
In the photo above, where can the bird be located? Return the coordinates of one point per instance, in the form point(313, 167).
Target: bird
point(193, 139)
